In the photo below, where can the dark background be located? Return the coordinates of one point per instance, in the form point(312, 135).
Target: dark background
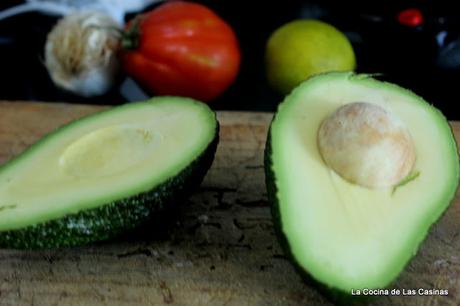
point(423, 58)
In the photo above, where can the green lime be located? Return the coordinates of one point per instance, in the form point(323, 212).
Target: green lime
point(302, 48)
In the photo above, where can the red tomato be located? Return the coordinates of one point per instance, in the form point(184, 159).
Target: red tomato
point(182, 48)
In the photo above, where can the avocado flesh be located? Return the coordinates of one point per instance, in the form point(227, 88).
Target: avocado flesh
point(343, 235)
point(138, 154)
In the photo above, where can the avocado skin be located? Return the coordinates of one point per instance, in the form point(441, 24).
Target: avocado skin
point(337, 296)
point(113, 218)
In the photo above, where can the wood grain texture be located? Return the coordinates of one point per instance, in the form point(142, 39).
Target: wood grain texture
point(221, 250)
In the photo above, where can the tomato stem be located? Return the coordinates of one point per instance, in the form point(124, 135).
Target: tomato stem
point(130, 37)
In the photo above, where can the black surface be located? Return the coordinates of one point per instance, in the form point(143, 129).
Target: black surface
point(410, 57)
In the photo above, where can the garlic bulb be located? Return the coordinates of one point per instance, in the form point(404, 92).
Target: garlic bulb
point(81, 53)
point(115, 8)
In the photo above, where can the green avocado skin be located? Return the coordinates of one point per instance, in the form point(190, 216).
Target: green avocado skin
point(337, 296)
point(113, 218)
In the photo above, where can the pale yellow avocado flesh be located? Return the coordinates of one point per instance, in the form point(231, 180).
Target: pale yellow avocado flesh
point(102, 158)
point(344, 235)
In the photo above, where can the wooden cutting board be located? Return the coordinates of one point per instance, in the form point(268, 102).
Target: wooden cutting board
point(221, 250)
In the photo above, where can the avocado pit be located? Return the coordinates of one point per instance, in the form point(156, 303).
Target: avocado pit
point(366, 145)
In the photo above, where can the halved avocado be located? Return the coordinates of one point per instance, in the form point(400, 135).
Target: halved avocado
point(357, 172)
point(105, 173)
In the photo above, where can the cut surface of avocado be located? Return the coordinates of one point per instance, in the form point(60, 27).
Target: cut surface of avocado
point(105, 172)
point(347, 235)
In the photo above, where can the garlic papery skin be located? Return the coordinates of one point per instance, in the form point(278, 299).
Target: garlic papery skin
point(81, 53)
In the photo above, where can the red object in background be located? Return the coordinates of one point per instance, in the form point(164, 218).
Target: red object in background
point(181, 48)
point(410, 17)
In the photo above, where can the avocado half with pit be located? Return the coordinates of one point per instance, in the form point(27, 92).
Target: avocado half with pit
point(105, 173)
point(357, 171)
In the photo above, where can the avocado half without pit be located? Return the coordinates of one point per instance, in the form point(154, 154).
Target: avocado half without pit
point(357, 171)
point(106, 173)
